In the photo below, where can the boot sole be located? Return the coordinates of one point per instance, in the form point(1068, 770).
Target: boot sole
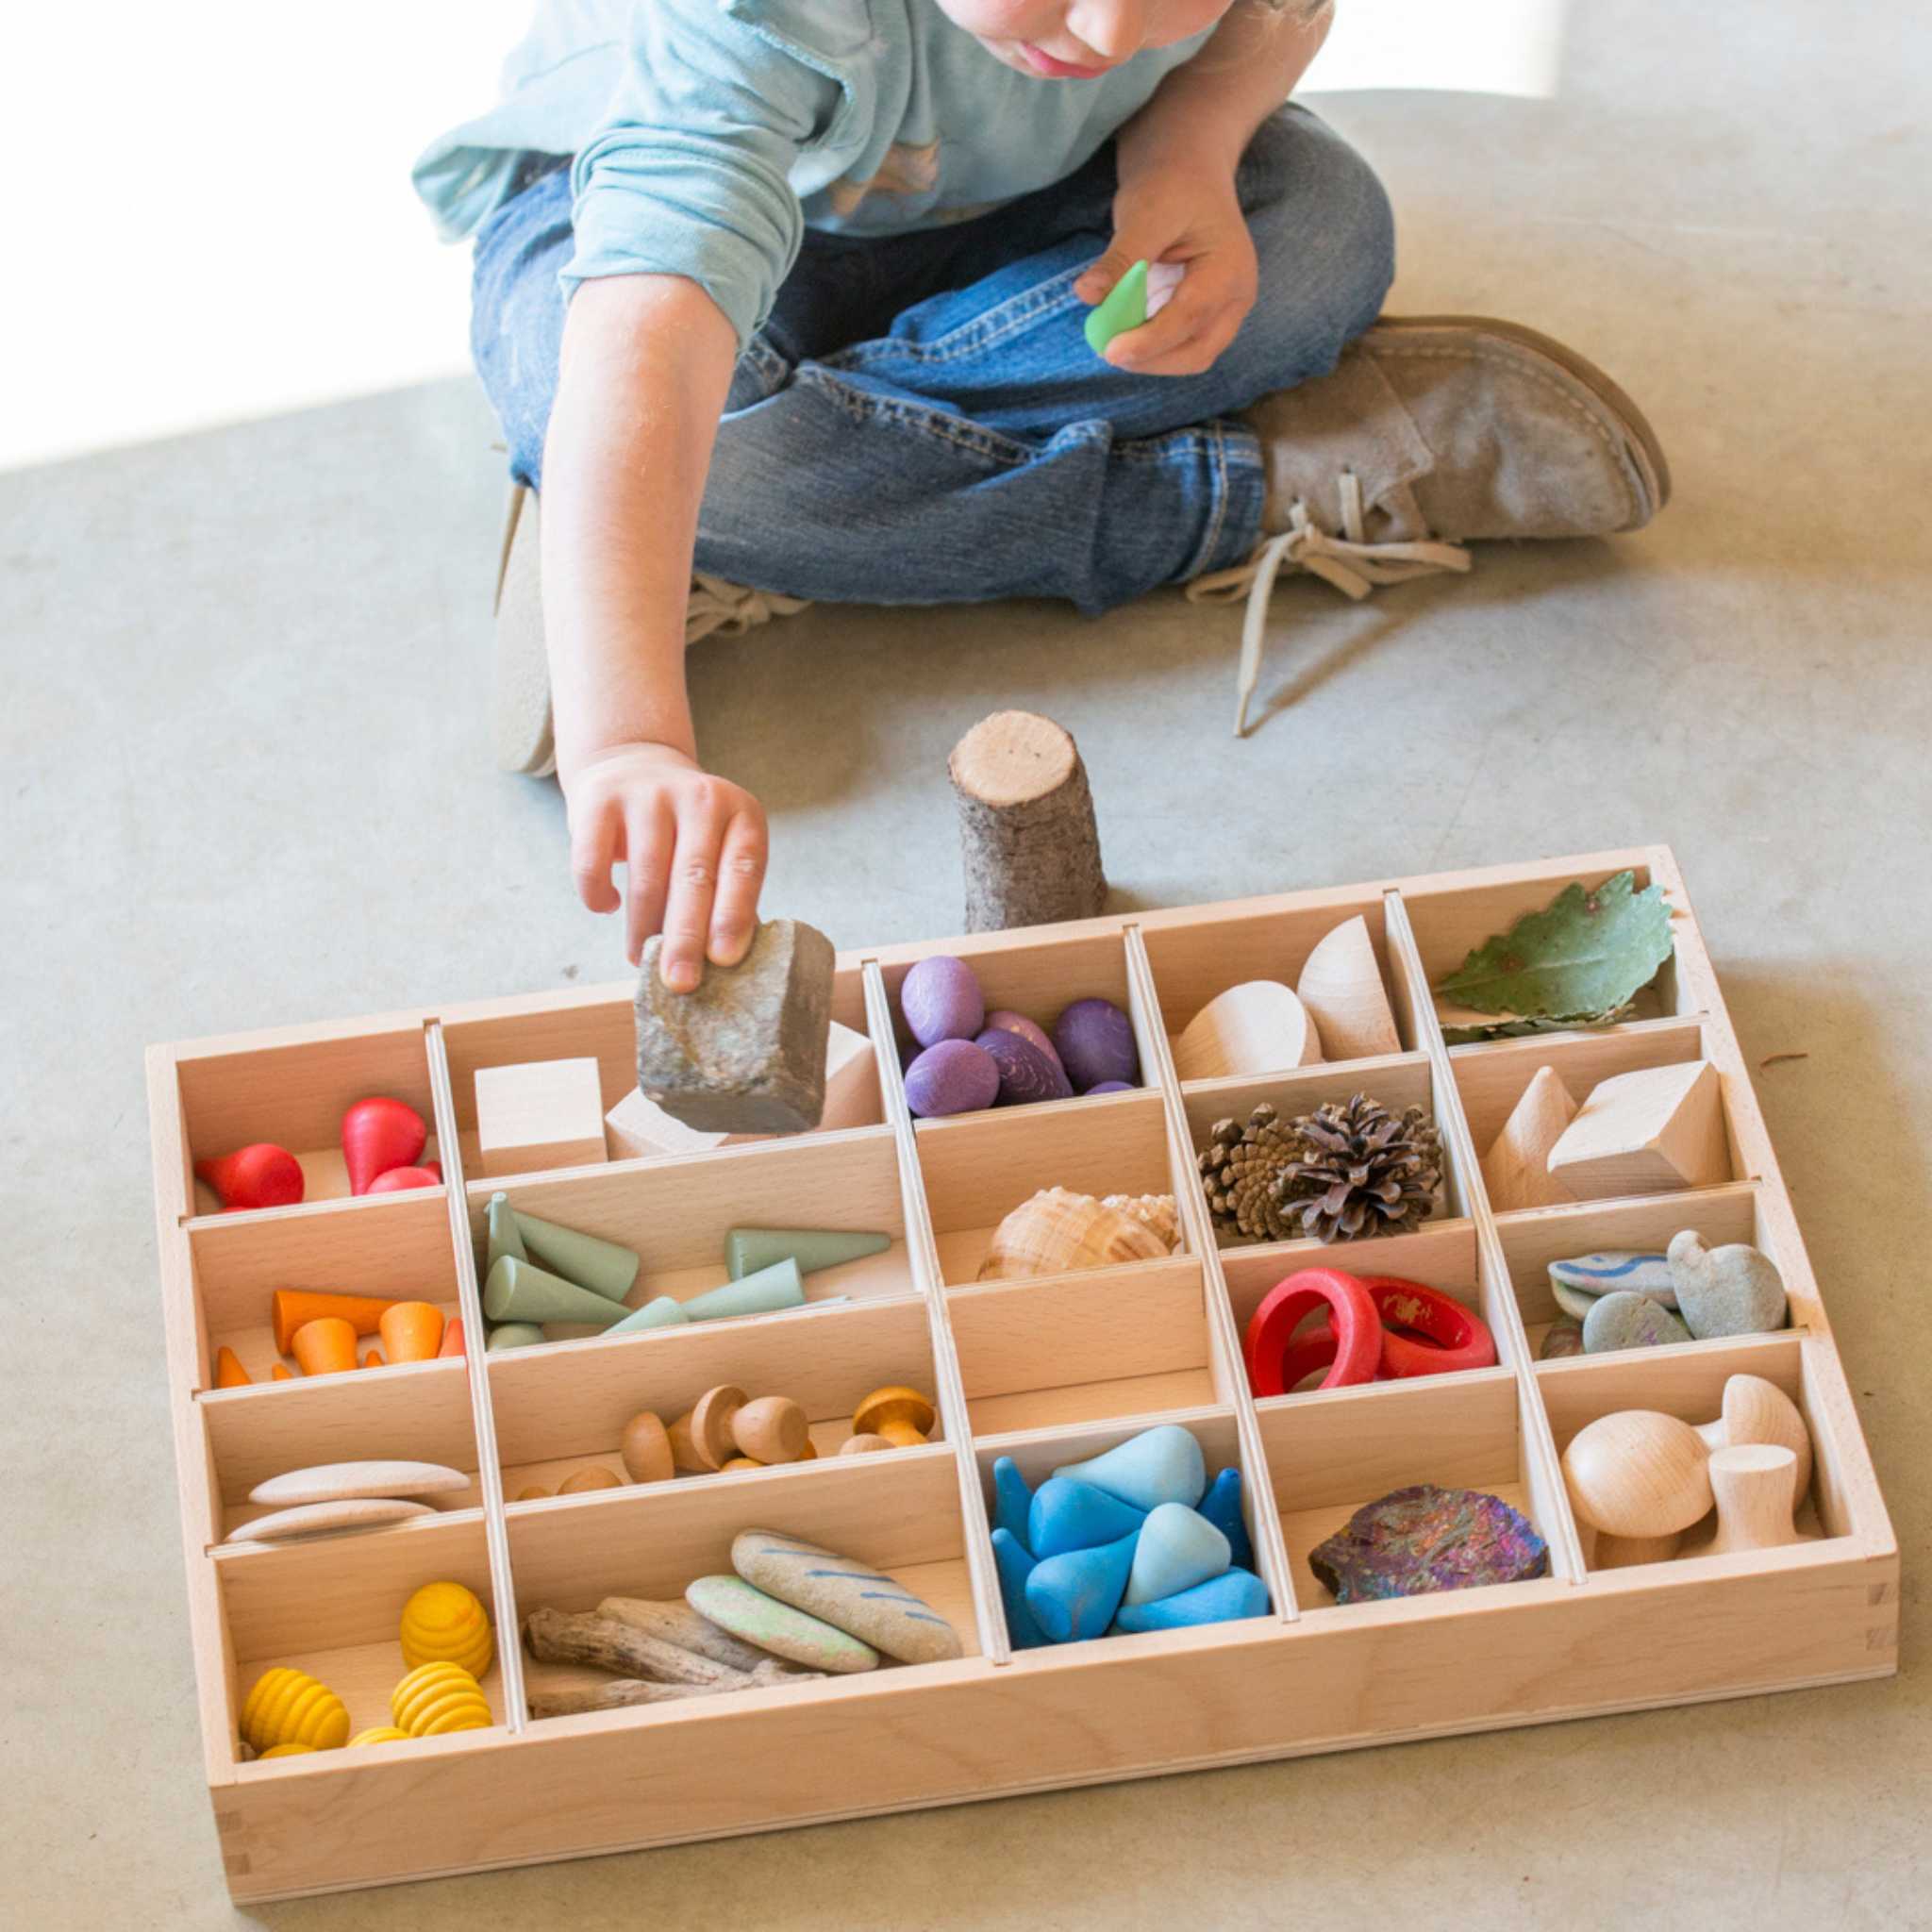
point(1641, 436)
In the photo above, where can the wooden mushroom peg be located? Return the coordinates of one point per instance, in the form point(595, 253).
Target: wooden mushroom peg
point(1639, 1479)
point(903, 1416)
point(727, 1427)
point(1756, 1411)
point(1756, 1485)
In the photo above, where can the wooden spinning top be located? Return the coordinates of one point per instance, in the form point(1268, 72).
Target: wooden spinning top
point(1638, 1474)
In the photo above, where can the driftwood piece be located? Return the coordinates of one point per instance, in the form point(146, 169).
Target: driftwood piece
point(1027, 830)
point(569, 1700)
point(557, 1637)
point(676, 1621)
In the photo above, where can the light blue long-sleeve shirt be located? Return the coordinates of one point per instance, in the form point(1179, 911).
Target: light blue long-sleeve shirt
point(708, 134)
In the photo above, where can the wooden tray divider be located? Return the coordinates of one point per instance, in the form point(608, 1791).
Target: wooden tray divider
point(509, 1649)
point(1271, 1551)
point(950, 1389)
point(1541, 1475)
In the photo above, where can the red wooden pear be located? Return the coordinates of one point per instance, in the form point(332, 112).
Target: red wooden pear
point(260, 1175)
point(399, 1180)
point(379, 1134)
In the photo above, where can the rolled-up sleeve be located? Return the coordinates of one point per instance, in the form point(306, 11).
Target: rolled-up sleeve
point(688, 173)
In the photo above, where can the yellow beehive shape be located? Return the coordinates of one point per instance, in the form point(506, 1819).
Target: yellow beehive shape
point(290, 1707)
point(444, 1623)
point(439, 1697)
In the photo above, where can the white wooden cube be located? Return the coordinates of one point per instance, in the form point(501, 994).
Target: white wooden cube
point(637, 1128)
point(1651, 1132)
point(544, 1113)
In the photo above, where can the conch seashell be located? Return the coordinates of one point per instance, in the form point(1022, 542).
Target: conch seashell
point(1156, 1212)
point(1059, 1231)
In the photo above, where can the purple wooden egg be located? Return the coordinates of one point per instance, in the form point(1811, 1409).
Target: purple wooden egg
point(1096, 1041)
point(1010, 1022)
point(941, 999)
point(955, 1076)
point(1027, 1074)
point(1111, 1086)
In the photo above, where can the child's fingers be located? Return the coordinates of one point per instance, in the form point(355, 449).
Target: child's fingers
point(1200, 322)
point(740, 873)
point(1096, 283)
point(592, 853)
point(649, 839)
point(694, 884)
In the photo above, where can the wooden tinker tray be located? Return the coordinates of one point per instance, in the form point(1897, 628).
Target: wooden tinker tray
point(1045, 1371)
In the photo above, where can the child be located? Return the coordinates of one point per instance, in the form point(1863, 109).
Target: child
point(791, 293)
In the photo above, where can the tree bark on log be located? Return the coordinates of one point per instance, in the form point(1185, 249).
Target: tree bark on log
point(1027, 830)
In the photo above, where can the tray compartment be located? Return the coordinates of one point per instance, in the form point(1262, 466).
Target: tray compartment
point(676, 1211)
point(1332, 1452)
point(331, 1606)
point(1083, 1348)
point(556, 1410)
point(901, 1512)
point(979, 1166)
point(1452, 915)
point(295, 1091)
point(393, 1245)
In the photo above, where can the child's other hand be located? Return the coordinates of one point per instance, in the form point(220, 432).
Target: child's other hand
point(1191, 216)
point(693, 845)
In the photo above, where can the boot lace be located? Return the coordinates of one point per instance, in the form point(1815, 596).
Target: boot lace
point(1350, 562)
point(718, 606)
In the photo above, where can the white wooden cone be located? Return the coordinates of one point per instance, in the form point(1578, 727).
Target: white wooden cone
point(1341, 987)
point(1516, 1169)
point(1257, 1028)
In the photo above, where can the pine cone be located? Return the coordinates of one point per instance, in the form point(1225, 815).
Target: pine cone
point(1240, 1168)
point(1361, 1172)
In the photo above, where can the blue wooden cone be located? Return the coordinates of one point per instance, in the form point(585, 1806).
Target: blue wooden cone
point(1221, 1507)
point(1067, 1515)
point(1074, 1596)
point(1015, 1567)
point(1226, 1599)
point(1011, 1500)
point(1159, 1465)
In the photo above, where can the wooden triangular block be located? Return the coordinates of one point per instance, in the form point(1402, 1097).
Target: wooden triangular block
point(1516, 1169)
point(1341, 987)
point(1651, 1132)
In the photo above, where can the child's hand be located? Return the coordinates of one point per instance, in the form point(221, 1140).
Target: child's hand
point(693, 846)
point(1190, 216)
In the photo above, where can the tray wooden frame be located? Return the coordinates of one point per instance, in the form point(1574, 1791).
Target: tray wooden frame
point(1029, 1370)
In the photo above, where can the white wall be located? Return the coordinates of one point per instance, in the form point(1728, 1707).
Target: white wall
point(208, 213)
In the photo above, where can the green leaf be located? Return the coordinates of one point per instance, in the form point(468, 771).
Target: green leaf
point(1587, 952)
point(1522, 1030)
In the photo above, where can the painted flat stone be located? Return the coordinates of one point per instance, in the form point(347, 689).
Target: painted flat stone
point(1426, 1537)
point(763, 1293)
point(1067, 1515)
point(666, 1312)
point(1615, 1269)
point(1224, 1599)
point(310, 1519)
point(1629, 1321)
point(1564, 1339)
point(1221, 1507)
point(1574, 1301)
point(747, 1250)
point(1728, 1291)
point(1012, 1501)
point(513, 1335)
point(335, 1482)
point(603, 1267)
point(849, 1595)
point(1159, 1465)
point(504, 1238)
point(733, 1604)
point(1074, 1596)
point(1015, 1566)
point(522, 1291)
point(1178, 1548)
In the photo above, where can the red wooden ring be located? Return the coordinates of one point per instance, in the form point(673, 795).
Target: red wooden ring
point(1461, 1339)
point(1357, 1325)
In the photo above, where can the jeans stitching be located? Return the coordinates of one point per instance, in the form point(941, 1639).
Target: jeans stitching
point(986, 331)
point(956, 431)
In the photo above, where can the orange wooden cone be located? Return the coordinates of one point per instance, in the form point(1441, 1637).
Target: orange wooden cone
point(295, 1306)
point(373, 1359)
point(281, 1372)
point(452, 1337)
point(412, 1331)
point(230, 1374)
point(326, 1347)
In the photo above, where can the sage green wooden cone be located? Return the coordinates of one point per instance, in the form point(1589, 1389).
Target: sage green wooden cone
point(665, 1312)
point(772, 1288)
point(748, 1250)
point(504, 1238)
point(601, 1266)
point(513, 1335)
point(522, 1291)
point(1125, 307)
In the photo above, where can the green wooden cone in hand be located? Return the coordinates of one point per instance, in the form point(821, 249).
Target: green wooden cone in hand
point(1125, 307)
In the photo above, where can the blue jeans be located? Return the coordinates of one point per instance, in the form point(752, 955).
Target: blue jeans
point(921, 420)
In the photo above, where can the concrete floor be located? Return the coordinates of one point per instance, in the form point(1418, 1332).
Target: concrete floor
point(249, 783)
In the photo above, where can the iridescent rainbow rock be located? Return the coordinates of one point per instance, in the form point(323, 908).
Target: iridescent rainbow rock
point(1426, 1537)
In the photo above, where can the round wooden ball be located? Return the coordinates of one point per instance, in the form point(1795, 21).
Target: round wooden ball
point(1638, 1474)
